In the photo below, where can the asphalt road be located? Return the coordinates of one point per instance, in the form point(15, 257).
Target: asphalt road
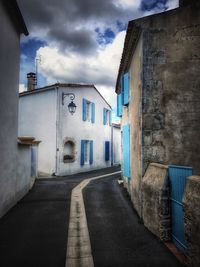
point(34, 232)
point(118, 238)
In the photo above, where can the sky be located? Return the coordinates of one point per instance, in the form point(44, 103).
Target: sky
point(79, 41)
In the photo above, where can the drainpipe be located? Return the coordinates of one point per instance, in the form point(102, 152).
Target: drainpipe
point(57, 129)
point(111, 144)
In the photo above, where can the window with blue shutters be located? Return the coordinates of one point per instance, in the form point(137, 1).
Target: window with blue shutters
point(126, 89)
point(107, 119)
point(126, 150)
point(107, 150)
point(86, 152)
point(119, 105)
point(88, 111)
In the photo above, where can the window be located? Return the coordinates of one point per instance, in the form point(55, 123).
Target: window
point(86, 152)
point(125, 89)
point(69, 151)
point(107, 150)
point(88, 111)
point(106, 116)
point(119, 105)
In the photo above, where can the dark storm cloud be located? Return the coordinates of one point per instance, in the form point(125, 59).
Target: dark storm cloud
point(59, 20)
point(153, 5)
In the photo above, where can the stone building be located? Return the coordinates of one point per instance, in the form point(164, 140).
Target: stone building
point(159, 101)
point(15, 156)
point(71, 143)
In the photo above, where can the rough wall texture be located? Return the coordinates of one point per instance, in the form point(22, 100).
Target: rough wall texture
point(155, 197)
point(191, 206)
point(171, 83)
point(135, 122)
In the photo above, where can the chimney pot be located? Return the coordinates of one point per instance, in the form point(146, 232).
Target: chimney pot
point(31, 80)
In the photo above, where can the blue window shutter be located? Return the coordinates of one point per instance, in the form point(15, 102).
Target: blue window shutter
point(104, 116)
point(82, 152)
point(119, 105)
point(110, 117)
point(84, 109)
point(126, 150)
point(107, 150)
point(93, 113)
point(126, 89)
point(91, 152)
point(122, 89)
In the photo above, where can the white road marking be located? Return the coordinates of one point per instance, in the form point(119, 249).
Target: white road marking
point(79, 252)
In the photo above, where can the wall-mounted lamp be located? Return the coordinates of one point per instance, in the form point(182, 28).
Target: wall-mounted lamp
point(72, 105)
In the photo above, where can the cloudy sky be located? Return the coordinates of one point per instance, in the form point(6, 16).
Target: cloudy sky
point(79, 41)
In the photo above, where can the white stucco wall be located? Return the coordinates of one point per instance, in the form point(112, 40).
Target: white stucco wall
point(10, 187)
point(117, 146)
point(37, 118)
point(43, 116)
point(73, 126)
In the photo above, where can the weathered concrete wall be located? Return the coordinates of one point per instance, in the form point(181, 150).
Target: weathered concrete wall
point(155, 199)
point(171, 83)
point(191, 206)
point(132, 116)
point(135, 121)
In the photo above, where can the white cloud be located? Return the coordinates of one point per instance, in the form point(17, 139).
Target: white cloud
point(100, 69)
point(22, 88)
point(129, 3)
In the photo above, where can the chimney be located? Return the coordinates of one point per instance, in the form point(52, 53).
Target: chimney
point(31, 80)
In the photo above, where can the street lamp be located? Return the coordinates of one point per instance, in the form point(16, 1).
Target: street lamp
point(72, 105)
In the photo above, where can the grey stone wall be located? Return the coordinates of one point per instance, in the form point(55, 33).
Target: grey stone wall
point(191, 206)
point(155, 199)
point(171, 87)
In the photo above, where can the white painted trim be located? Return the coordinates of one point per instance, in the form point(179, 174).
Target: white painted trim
point(79, 252)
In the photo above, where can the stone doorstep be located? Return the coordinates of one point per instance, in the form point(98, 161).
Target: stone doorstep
point(179, 255)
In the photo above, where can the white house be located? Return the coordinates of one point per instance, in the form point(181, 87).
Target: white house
point(70, 143)
point(116, 144)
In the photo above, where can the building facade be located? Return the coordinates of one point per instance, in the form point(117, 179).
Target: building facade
point(15, 156)
point(158, 100)
point(69, 143)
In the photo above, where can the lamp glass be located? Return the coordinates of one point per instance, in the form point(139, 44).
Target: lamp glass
point(72, 107)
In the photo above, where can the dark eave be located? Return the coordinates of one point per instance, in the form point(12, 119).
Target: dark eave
point(15, 15)
point(132, 35)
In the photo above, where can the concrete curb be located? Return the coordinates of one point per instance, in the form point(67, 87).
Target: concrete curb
point(79, 252)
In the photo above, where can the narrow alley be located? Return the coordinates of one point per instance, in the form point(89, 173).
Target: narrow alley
point(34, 233)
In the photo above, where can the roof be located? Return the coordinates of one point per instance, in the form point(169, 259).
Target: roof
point(15, 15)
point(132, 35)
point(62, 85)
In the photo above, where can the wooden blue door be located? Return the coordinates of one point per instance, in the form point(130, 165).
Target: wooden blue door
point(177, 180)
point(126, 150)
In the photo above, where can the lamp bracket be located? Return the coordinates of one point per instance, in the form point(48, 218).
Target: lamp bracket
point(71, 95)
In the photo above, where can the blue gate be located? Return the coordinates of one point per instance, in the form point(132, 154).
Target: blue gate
point(177, 180)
